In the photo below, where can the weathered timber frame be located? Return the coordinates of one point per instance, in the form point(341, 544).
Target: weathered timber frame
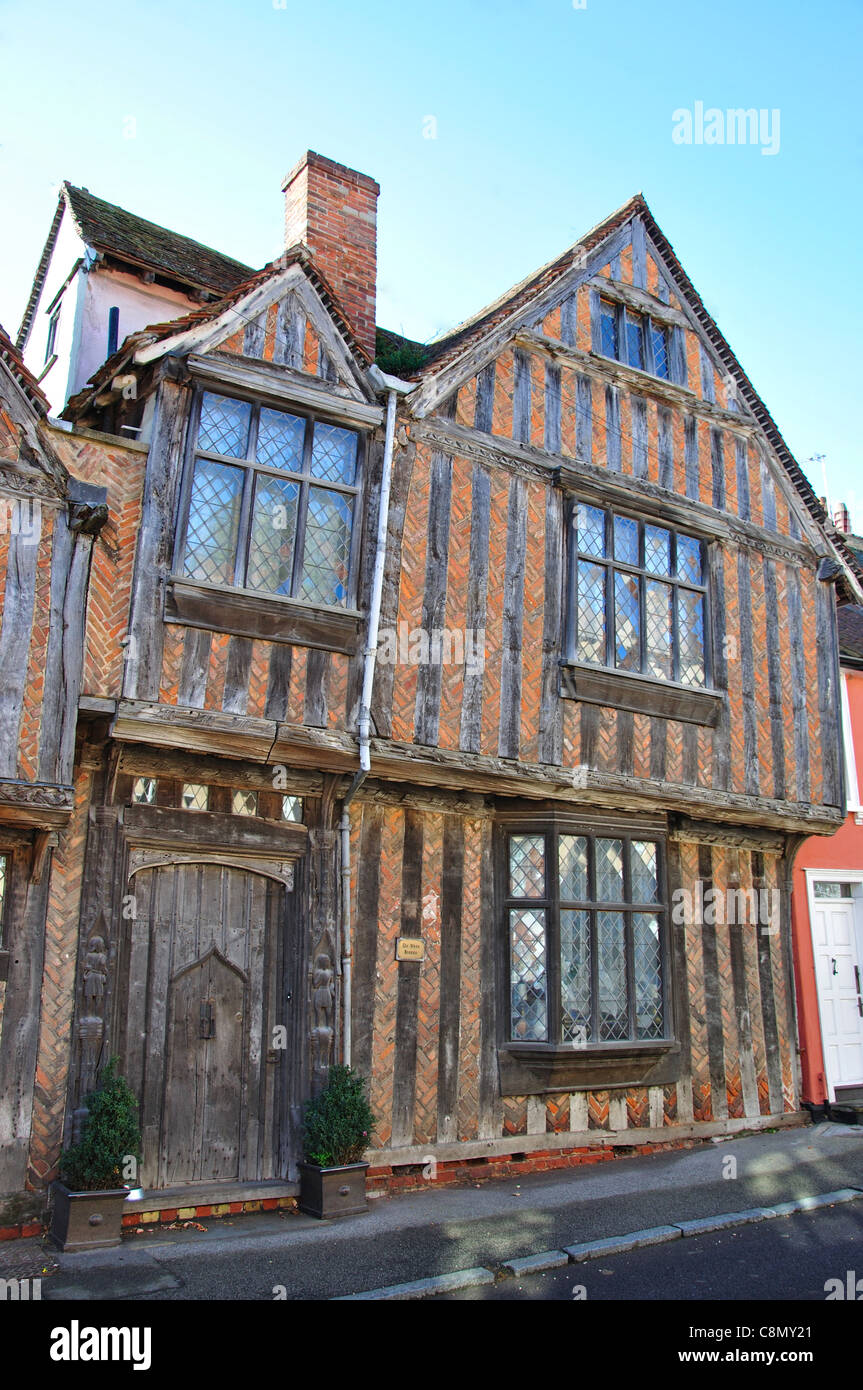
point(536, 1068)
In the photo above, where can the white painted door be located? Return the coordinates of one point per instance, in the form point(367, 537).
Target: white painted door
point(839, 974)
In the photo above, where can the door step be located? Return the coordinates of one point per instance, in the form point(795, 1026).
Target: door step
point(847, 1112)
point(846, 1094)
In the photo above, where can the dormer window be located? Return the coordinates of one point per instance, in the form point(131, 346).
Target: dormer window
point(270, 502)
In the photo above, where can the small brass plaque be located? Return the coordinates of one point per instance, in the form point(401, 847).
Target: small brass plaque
point(410, 948)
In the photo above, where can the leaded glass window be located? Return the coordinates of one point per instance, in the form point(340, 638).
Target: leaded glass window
point(633, 338)
point(585, 924)
point(637, 597)
point(271, 502)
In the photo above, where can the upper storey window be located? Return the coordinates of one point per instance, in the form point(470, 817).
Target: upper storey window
point(637, 597)
point(271, 502)
point(633, 338)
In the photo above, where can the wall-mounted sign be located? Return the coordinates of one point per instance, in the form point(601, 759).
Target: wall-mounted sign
point(410, 948)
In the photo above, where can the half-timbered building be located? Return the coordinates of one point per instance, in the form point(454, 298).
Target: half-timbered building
point(458, 715)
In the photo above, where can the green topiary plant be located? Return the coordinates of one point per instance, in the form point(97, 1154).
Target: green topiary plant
point(111, 1136)
point(338, 1123)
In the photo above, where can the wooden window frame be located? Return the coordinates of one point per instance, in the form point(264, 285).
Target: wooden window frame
point(622, 312)
point(639, 690)
point(252, 599)
point(534, 1068)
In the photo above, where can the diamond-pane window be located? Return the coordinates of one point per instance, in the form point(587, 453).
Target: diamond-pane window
point(591, 612)
point(608, 328)
point(648, 975)
point(690, 623)
point(194, 797)
point(586, 942)
point(626, 540)
point(214, 521)
point(689, 560)
point(292, 808)
point(528, 976)
point(224, 427)
point(659, 337)
point(657, 628)
point(572, 867)
point(611, 956)
point(334, 454)
point(591, 530)
point(527, 866)
point(575, 976)
point(144, 791)
point(657, 550)
point(244, 803)
point(609, 871)
point(274, 528)
point(263, 521)
point(627, 623)
point(635, 340)
point(328, 546)
point(646, 590)
point(645, 882)
point(280, 440)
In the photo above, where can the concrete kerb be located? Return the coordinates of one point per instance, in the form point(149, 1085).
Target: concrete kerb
point(592, 1249)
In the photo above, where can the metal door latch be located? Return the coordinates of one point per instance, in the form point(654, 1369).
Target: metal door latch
point(208, 1022)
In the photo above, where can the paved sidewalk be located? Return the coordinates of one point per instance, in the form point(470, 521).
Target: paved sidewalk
point(441, 1231)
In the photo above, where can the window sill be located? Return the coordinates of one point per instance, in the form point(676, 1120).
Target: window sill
point(598, 685)
point(532, 1069)
point(247, 614)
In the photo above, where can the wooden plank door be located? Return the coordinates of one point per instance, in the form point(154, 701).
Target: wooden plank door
point(206, 967)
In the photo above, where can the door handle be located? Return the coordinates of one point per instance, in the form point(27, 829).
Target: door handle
point(208, 1022)
point(859, 998)
point(833, 963)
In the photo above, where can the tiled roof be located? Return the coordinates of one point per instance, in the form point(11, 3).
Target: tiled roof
point(126, 237)
point(850, 618)
point(28, 383)
point(158, 332)
point(123, 234)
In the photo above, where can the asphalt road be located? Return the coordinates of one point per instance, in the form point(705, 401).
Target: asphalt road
point(788, 1259)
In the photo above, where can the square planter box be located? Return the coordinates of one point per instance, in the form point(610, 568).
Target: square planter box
point(86, 1220)
point(330, 1192)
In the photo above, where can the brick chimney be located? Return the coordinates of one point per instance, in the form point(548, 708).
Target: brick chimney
point(841, 519)
point(333, 211)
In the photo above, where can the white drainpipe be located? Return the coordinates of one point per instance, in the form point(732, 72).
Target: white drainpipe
point(394, 387)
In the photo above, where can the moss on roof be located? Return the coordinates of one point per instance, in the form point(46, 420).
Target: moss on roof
point(111, 229)
point(397, 355)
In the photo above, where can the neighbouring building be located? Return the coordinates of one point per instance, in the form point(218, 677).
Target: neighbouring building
point(530, 869)
point(828, 907)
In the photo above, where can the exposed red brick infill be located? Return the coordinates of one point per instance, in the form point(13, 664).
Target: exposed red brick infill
point(411, 1177)
point(22, 1231)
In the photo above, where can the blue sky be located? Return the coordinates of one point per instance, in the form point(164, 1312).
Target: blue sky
point(548, 116)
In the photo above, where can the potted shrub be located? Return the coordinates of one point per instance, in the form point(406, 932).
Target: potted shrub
point(87, 1211)
point(336, 1132)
